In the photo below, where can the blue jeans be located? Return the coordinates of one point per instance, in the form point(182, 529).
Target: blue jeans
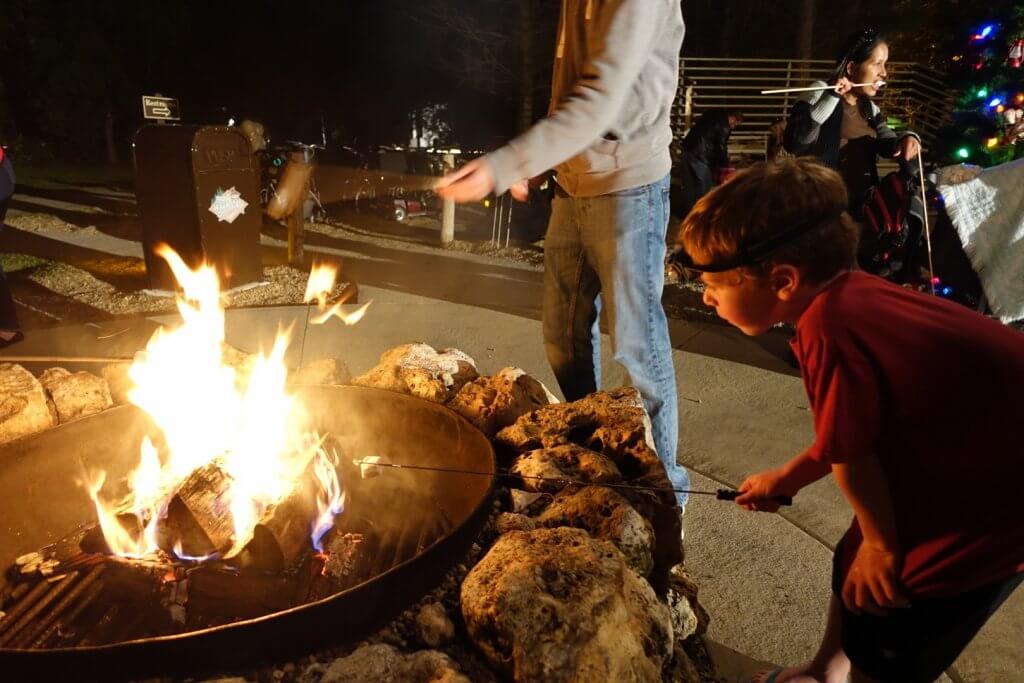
point(610, 251)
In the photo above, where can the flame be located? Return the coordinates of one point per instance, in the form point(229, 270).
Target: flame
point(320, 284)
point(318, 288)
point(347, 318)
point(331, 499)
point(208, 411)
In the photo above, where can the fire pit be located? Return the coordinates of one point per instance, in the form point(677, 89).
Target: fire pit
point(413, 529)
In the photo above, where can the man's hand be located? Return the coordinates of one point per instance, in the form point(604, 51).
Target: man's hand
point(520, 191)
point(758, 489)
point(873, 584)
point(908, 148)
point(471, 183)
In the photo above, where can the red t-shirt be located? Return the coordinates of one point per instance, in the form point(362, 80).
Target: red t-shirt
point(934, 391)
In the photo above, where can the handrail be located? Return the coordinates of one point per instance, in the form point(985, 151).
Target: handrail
point(917, 96)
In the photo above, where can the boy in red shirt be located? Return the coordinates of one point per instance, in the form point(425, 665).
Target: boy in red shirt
point(916, 401)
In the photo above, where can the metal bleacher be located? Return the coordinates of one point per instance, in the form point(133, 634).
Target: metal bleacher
point(915, 96)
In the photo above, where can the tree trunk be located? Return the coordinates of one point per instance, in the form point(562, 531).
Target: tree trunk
point(526, 81)
point(109, 130)
point(805, 40)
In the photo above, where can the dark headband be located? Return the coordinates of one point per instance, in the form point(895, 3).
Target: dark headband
point(750, 254)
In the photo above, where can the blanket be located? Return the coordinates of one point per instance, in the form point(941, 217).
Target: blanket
point(988, 214)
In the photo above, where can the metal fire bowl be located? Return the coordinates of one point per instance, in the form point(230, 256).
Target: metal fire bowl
point(40, 502)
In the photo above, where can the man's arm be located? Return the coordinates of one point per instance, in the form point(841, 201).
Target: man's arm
point(627, 32)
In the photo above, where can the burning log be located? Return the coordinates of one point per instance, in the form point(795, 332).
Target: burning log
point(141, 582)
point(282, 534)
point(197, 515)
point(219, 591)
point(340, 565)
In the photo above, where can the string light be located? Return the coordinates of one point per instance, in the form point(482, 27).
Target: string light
point(995, 102)
point(963, 153)
point(991, 142)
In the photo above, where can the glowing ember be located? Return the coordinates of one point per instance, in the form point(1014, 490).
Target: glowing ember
point(252, 427)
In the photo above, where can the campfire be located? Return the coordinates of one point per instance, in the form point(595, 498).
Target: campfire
point(238, 471)
point(236, 506)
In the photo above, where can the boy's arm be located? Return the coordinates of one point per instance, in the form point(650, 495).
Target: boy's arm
point(802, 470)
point(873, 581)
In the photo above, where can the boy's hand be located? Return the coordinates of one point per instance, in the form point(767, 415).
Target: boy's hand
point(758, 489)
point(873, 584)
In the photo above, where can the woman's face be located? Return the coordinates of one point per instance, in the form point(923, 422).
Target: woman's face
point(871, 70)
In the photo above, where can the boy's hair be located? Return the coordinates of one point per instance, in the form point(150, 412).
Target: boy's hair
point(765, 200)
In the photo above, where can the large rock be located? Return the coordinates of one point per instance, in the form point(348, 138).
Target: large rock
point(118, 381)
point(610, 422)
point(545, 468)
point(25, 407)
point(688, 616)
point(419, 370)
point(615, 424)
point(608, 516)
point(76, 394)
point(492, 403)
point(384, 664)
point(323, 371)
point(558, 605)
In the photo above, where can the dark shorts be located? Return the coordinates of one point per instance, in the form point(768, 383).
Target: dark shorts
point(917, 643)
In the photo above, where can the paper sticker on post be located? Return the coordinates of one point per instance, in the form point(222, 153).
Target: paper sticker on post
point(227, 205)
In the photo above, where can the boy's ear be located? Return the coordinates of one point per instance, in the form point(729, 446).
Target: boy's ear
point(785, 279)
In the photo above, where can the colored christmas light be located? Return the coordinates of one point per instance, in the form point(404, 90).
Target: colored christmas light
point(991, 142)
point(995, 102)
point(983, 93)
point(963, 153)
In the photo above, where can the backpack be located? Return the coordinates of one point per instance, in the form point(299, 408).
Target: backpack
point(891, 227)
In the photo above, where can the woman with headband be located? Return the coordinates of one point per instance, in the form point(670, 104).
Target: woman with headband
point(842, 127)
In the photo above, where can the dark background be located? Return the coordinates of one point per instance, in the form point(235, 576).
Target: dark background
point(72, 71)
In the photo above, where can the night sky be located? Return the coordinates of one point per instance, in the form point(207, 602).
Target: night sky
point(72, 71)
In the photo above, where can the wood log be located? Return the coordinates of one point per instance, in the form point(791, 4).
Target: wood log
point(198, 515)
point(140, 582)
point(283, 533)
point(215, 590)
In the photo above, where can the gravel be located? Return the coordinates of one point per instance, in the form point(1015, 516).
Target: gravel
point(281, 285)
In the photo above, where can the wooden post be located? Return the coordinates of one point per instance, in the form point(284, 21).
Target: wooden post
point(448, 211)
point(297, 220)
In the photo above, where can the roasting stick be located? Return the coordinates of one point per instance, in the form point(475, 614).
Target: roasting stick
point(927, 227)
point(720, 494)
point(813, 88)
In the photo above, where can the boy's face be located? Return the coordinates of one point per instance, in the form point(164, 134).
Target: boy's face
point(749, 303)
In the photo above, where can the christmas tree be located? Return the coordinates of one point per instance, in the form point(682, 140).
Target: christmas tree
point(988, 69)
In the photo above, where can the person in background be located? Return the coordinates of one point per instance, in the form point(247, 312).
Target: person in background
point(915, 401)
point(607, 134)
point(9, 329)
point(842, 127)
point(706, 154)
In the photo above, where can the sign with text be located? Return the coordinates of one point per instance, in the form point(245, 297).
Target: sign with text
point(165, 108)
